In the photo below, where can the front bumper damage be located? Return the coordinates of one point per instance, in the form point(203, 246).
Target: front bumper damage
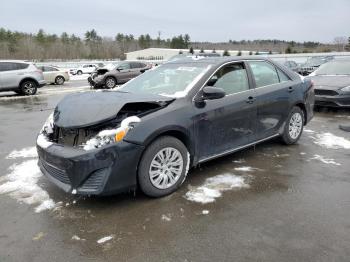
point(94, 83)
point(102, 171)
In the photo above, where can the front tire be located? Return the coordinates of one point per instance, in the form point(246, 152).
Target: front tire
point(59, 80)
point(294, 126)
point(79, 72)
point(163, 167)
point(28, 88)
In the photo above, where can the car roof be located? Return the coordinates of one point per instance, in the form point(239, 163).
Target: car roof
point(14, 61)
point(215, 60)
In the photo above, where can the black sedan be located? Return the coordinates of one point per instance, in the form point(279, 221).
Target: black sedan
point(153, 129)
point(332, 83)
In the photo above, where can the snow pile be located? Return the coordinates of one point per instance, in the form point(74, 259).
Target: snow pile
point(325, 160)
point(47, 128)
point(23, 153)
point(214, 186)
point(166, 218)
point(331, 141)
point(105, 239)
point(22, 184)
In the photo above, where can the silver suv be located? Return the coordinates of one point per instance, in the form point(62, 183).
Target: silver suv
point(21, 77)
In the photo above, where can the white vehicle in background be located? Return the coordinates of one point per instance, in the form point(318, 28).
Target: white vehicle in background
point(85, 69)
point(54, 75)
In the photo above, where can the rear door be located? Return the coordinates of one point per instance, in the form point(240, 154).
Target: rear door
point(223, 125)
point(12, 73)
point(273, 93)
point(135, 68)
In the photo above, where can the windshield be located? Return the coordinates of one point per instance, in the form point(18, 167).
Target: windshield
point(174, 80)
point(334, 68)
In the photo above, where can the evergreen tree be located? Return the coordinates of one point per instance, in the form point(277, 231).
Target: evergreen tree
point(191, 51)
point(202, 51)
point(239, 53)
point(226, 53)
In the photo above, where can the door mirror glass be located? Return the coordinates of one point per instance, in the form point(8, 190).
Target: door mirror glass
point(210, 93)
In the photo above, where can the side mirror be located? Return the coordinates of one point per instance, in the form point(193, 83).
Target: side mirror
point(211, 93)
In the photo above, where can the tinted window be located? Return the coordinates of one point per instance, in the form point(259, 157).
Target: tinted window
point(135, 65)
point(264, 73)
point(282, 76)
point(231, 78)
point(124, 66)
point(9, 66)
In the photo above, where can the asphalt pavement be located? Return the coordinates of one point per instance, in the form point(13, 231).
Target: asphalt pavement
point(294, 204)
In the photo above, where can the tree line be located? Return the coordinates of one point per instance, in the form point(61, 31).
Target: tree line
point(45, 46)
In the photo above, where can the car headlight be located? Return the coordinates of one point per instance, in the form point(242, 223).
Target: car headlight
point(109, 136)
point(346, 89)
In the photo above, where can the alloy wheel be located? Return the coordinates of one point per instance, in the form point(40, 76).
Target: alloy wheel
point(295, 125)
point(166, 168)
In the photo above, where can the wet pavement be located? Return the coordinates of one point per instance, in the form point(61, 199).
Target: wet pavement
point(296, 206)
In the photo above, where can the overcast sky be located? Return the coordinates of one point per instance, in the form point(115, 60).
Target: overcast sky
point(203, 20)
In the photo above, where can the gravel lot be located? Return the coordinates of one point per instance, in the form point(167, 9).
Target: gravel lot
point(290, 203)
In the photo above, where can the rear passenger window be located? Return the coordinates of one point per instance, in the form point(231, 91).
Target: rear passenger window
point(135, 65)
point(282, 76)
point(231, 78)
point(264, 73)
point(20, 66)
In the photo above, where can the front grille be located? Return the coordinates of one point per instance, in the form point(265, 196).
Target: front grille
point(56, 172)
point(324, 92)
point(94, 182)
point(72, 137)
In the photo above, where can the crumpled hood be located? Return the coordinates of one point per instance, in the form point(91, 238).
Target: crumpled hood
point(331, 82)
point(91, 108)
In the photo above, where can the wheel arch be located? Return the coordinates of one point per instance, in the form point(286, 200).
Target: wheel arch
point(26, 79)
point(303, 108)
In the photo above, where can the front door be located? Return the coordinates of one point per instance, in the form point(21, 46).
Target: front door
point(222, 125)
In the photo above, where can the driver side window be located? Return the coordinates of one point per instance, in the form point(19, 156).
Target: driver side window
point(231, 78)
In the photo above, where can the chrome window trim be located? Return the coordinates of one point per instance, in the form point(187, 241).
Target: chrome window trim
point(243, 61)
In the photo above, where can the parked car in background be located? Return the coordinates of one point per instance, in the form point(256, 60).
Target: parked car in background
point(122, 73)
point(84, 69)
point(292, 65)
point(332, 83)
point(21, 77)
point(54, 75)
point(313, 63)
point(149, 132)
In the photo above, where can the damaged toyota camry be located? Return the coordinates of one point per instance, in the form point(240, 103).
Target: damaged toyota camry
point(149, 132)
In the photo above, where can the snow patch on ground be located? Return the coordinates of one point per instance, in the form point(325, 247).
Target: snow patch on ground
point(23, 153)
point(105, 239)
point(78, 77)
point(331, 141)
point(214, 186)
point(309, 131)
point(246, 169)
point(325, 160)
point(205, 212)
point(166, 218)
point(21, 183)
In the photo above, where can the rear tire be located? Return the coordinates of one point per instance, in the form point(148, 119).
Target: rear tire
point(110, 82)
point(294, 126)
point(28, 88)
point(79, 72)
point(59, 80)
point(163, 167)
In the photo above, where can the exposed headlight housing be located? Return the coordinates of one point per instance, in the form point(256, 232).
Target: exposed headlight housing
point(346, 89)
point(109, 136)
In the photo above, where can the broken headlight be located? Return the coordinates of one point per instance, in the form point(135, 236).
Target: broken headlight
point(109, 136)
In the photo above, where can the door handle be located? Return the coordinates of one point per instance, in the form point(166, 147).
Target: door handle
point(290, 89)
point(250, 100)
